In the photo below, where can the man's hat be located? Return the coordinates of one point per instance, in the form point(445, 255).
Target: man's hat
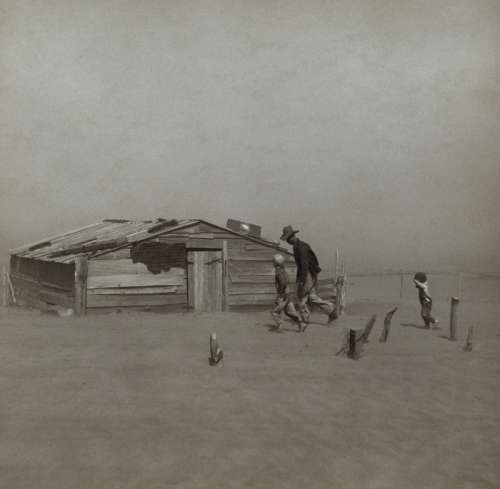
point(288, 231)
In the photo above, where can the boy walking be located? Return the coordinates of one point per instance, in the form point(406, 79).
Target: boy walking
point(420, 280)
point(283, 300)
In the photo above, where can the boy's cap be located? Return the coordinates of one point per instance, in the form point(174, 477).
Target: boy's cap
point(278, 259)
point(420, 276)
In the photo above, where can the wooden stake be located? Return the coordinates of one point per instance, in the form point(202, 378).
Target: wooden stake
point(387, 325)
point(337, 264)
point(225, 274)
point(368, 328)
point(468, 341)
point(401, 285)
point(216, 354)
point(354, 344)
point(453, 318)
point(339, 295)
point(81, 286)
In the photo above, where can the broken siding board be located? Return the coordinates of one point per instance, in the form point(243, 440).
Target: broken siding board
point(135, 300)
point(114, 281)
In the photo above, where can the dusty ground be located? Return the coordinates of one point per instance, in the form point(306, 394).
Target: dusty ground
point(129, 401)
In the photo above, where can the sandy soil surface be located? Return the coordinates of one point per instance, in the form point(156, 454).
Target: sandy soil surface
point(129, 401)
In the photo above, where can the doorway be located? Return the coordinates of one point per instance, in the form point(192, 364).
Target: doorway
point(205, 280)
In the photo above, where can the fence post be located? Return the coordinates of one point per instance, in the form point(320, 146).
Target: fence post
point(368, 328)
point(401, 285)
point(453, 318)
point(468, 341)
point(387, 325)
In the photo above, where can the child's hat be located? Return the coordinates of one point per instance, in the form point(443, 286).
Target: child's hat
point(420, 276)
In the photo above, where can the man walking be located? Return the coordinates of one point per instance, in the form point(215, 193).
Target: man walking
point(307, 277)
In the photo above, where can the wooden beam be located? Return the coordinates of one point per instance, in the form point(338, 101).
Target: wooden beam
point(225, 276)
point(81, 286)
point(453, 318)
point(5, 288)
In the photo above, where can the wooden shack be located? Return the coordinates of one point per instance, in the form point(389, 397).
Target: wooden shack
point(161, 265)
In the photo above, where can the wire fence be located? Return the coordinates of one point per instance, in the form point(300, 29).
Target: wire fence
point(398, 285)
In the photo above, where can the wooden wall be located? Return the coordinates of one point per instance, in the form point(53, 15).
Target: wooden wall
point(37, 283)
point(114, 282)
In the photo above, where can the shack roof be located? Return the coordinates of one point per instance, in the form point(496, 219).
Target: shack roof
point(109, 235)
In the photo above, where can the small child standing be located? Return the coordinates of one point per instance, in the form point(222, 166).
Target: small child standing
point(420, 280)
point(283, 301)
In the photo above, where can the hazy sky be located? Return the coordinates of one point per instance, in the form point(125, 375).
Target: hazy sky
point(370, 125)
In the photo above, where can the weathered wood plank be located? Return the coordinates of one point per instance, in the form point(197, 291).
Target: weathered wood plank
point(59, 287)
point(23, 278)
point(135, 300)
point(237, 279)
point(169, 308)
point(124, 267)
point(120, 254)
point(51, 297)
point(240, 300)
point(246, 289)
point(185, 235)
point(208, 244)
point(114, 281)
point(169, 289)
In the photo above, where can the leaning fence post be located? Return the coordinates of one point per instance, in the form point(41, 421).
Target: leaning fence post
point(387, 325)
point(453, 318)
point(368, 328)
